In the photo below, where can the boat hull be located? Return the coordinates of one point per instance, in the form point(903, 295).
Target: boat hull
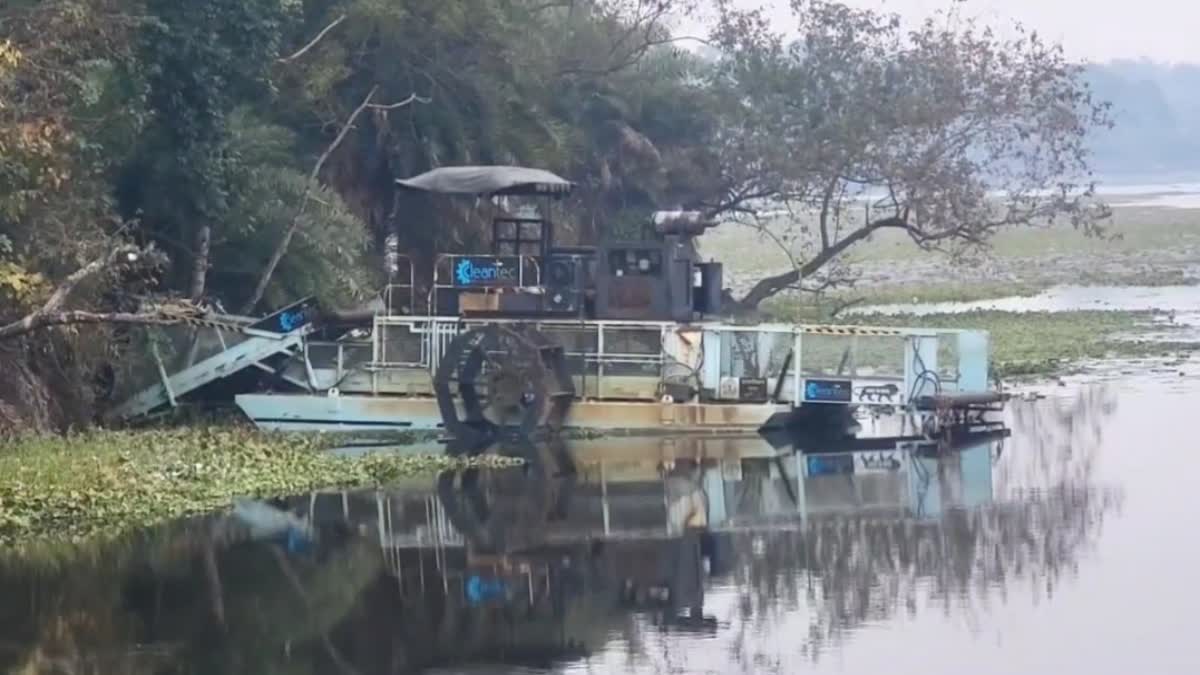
point(356, 414)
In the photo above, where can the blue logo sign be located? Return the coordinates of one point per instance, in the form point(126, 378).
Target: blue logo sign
point(464, 272)
point(831, 391)
point(289, 321)
point(484, 272)
point(830, 465)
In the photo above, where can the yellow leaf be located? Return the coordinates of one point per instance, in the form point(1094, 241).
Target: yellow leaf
point(10, 56)
point(19, 282)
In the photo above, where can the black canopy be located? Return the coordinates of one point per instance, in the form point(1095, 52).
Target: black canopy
point(488, 180)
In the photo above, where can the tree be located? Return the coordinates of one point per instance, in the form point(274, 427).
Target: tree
point(66, 119)
point(947, 132)
point(577, 86)
point(198, 60)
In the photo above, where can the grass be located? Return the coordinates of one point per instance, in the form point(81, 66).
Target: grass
point(1131, 230)
point(109, 483)
point(1142, 246)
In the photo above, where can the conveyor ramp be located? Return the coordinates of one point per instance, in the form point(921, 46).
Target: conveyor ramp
point(236, 346)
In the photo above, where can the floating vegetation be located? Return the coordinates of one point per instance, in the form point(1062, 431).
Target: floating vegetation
point(106, 483)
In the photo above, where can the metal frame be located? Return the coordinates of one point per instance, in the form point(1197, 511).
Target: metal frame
point(340, 370)
point(543, 241)
point(411, 286)
point(435, 333)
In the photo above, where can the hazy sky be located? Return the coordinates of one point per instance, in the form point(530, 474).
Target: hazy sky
point(1099, 30)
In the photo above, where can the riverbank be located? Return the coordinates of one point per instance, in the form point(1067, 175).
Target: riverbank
point(1149, 244)
point(110, 482)
point(1144, 245)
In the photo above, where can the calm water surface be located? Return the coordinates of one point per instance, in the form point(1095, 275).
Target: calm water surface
point(1184, 301)
point(1069, 547)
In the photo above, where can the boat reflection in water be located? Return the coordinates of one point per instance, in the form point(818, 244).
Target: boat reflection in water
point(609, 553)
point(600, 541)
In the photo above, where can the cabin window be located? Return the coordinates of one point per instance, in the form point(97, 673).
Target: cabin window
point(641, 262)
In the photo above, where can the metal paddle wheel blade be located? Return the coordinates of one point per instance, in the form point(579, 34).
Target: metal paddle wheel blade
point(510, 379)
point(449, 378)
point(560, 386)
point(502, 510)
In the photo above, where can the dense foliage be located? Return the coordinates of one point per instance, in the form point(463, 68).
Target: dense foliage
point(215, 133)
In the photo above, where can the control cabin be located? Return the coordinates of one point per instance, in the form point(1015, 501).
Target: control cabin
point(528, 274)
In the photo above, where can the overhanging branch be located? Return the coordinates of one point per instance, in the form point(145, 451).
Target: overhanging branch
point(124, 253)
point(40, 320)
point(312, 43)
point(412, 98)
point(769, 286)
point(52, 314)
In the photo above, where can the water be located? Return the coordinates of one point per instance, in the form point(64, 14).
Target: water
point(1178, 307)
point(1068, 547)
point(1184, 301)
point(1165, 201)
point(1153, 191)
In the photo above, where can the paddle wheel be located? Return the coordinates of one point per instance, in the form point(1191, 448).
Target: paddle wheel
point(501, 510)
point(501, 377)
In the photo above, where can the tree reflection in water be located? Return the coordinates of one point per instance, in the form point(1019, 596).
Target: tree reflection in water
point(203, 597)
point(845, 571)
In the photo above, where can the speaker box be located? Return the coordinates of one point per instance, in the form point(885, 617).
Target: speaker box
point(562, 280)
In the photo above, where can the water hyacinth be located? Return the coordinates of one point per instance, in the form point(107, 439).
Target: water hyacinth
point(83, 485)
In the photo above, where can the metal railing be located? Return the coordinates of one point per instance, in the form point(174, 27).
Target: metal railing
point(608, 356)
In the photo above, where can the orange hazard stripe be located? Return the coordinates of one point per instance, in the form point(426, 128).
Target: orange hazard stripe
point(848, 330)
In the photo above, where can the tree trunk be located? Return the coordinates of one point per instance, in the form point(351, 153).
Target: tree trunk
point(770, 286)
point(200, 262)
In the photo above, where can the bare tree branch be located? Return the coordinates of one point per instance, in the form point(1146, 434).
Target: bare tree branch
point(312, 43)
point(412, 98)
point(41, 320)
point(768, 286)
point(845, 305)
point(281, 248)
point(826, 204)
point(551, 5)
point(114, 257)
point(52, 314)
point(735, 203)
